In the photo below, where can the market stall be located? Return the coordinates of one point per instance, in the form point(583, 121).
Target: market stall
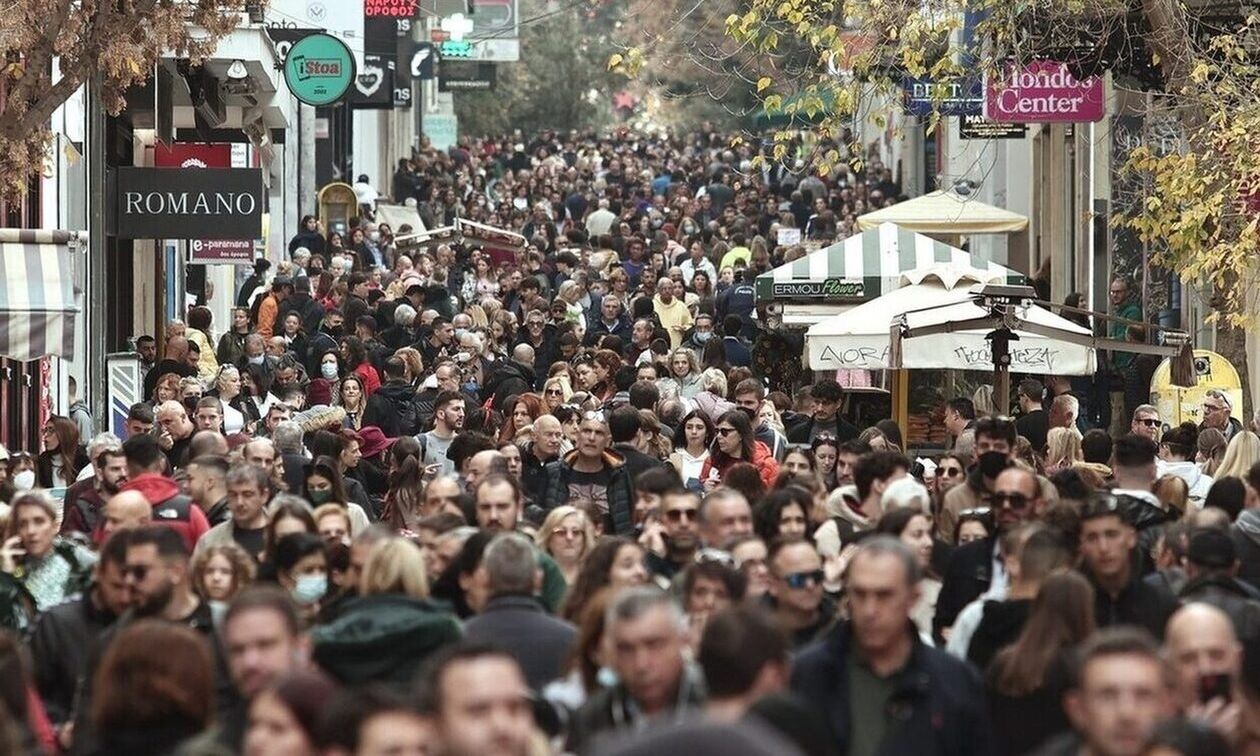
point(858, 269)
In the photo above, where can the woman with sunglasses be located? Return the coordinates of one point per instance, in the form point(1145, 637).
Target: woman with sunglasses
point(691, 448)
point(735, 442)
point(567, 536)
point(556, 392)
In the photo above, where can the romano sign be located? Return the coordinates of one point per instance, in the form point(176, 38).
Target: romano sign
point(828, 288)
point(214, 203)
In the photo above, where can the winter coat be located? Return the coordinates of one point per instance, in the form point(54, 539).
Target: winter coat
point(60, 643)
point(554, 491)
point(762, 459)
point(1196, 481)
point(511, 379)
point(386, 408)
point(383, 638)
point(937, 706)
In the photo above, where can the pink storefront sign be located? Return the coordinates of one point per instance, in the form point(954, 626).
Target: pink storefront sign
point(1043, 91)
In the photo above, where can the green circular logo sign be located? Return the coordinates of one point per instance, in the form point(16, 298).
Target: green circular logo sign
point(319, 69)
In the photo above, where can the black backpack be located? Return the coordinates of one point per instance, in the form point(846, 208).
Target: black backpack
point(410, 416)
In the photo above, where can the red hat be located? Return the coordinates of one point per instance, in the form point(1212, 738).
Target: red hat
point(318, 392)
point(372, 442)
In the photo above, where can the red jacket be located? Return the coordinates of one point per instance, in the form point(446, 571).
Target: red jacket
point(767, 466)
point(170, 507)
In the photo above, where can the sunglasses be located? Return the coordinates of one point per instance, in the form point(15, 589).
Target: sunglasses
point(714, 556)
point(567, 532)
point(1151, 422)
point(554, 392)
point(725, 431)
point(949, 472)
point(1015, 500)
point(678, 515)
point(798, 580)
point(975, 512)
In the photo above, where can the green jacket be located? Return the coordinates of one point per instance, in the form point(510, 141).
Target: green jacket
point(383, 638)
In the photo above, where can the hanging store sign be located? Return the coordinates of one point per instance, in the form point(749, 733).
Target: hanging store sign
point(221, 251)
point(391, 8)
point(979, 127)
point(827, 288)
point(923, 96)
point(214, 203)
point(1043, 91)
point(466, 76)
point(374, 86)
point(319, 69)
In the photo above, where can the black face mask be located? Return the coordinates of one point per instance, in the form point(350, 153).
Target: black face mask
point(335, 331)
point(992, 463)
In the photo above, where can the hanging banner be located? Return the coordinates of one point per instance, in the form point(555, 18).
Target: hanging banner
point(214, 203)
point(374, 86)
point(319, 69)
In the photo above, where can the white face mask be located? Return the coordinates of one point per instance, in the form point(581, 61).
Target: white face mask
point(328, 370)
point(24, 481)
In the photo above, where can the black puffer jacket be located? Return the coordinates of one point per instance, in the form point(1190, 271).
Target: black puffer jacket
point(511, 379)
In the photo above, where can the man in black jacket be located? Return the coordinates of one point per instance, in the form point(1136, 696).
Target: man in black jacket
point(875, 664)
point(513, 378)
point(612, 322)
point(393, 407)
point(308, 310)
point(63, 636)
point(1108, 541)
point(1033, 424)
point(1211, 569)
point(826, 418)
point(624, 425)
point(514, 618)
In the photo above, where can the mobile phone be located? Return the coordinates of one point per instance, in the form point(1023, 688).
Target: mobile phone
point(1214, 686)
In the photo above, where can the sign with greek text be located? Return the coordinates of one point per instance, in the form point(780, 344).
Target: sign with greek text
point(828, 288)
point(221, 251)
point(1043, 91)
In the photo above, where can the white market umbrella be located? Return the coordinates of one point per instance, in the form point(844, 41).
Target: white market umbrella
point(935, 297)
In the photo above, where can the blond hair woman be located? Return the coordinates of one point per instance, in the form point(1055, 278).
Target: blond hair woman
point(395, 566)
point(1063, 449)
point(567, 535)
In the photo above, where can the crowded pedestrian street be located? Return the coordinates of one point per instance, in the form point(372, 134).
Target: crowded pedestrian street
point(370, 388)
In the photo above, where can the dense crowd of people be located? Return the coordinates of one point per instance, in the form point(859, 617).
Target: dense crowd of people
point(461, 500)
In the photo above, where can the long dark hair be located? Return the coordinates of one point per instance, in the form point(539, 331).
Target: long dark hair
point(738, 419)
point(67, 432)
point(680, 433)
point(1062, 616)
point(405, 482)
point(593, 576)
point(325, 467)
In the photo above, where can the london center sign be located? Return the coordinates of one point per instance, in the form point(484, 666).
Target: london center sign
point(213, 203)
point(1042, 91)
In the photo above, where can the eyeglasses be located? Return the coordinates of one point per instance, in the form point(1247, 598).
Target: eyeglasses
point(554, 392)
point(725, 431)
point(975, 512)
point(678, 515)
point(798, 580)
point(1212, 408)
point(137, 571)
point(1015, 499)
point(595, 415)
point(1150, 422)
point(534, 323)
point(564, 532)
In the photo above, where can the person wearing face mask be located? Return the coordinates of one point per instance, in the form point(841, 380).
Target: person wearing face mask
point(301, 564)
point(22, 471)
point(994, 448)
point(701, 333)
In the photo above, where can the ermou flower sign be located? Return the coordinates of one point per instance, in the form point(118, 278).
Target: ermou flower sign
point(1042, 91)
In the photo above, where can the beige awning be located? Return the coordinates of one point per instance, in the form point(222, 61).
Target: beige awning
point(946, 213)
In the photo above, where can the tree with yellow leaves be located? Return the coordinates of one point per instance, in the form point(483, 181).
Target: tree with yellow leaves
point(52, 47)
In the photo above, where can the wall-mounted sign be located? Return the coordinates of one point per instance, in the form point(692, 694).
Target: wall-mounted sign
point(962, 97)
point(467, 76)
point(979, 127)
point(374, 86)
point(827, 288)
point(221, 251)
point(214, 203)
point(391, 8)
point(1043, 91)
point(319, 69)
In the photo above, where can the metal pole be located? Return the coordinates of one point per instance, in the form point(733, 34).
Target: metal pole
point(94, 312)
point(306, 161)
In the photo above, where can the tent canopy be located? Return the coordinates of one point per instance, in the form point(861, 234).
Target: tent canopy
point(859, 338)
point(946, 213)
point(866, 266)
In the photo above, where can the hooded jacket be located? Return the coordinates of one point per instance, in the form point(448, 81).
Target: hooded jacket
point(511, 379)
point(383, 638)
point(1196, 481)
point(170, 507)
point(555, 490)
point(390, 407)
point(761, 459)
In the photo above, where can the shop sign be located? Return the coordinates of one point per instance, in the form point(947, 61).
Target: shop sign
point(828, 288)
point(1043, 91)
point(213, 203)
point(221, 251)
point(319, 69)
point(962, 97)
point(391, 8)
point(979, 127)
point(466, 76)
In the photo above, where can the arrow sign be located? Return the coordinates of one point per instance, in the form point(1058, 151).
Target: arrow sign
point(422, 61)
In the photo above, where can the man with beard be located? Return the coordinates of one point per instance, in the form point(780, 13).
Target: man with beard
point(448, 420)
point(679, 531)
point(158, 581)
point(86, 499)
point(177, 431)
point(207, 476)
point(481, 700)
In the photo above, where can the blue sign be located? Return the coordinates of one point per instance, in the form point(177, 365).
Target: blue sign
point(962, 97)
